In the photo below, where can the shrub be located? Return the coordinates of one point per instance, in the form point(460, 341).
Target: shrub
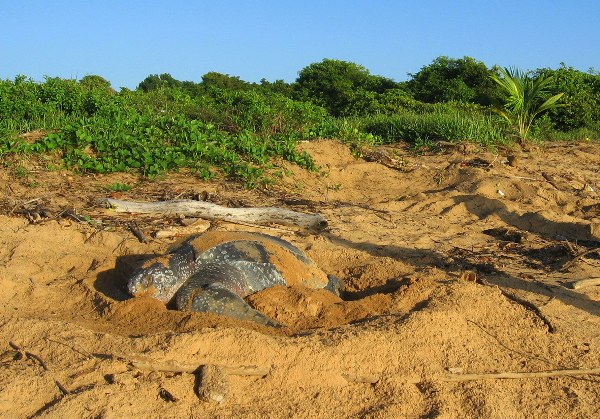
point(101, 131)
point(341, 87)
point(581, 97)
point(448, 79)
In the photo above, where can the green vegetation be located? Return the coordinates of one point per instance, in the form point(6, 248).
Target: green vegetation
point(439, 124)
point(117, 187)
point(463, 80)
point(234, 133)
point(582, 98)
point(524, 98)
point(224, 126)
point(343, 88)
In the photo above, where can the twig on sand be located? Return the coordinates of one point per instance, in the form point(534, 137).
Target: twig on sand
point(133, 227)
point(520, 177)
point(42, 363)
point(213, 380)
point(79, 351)
point(458, 377)
point(361, 378)
point(579, 256)
point(147, 364)
point(532, 307)
point(528, 355)
point(527, 304)
point(519, 375)
point(550, 180)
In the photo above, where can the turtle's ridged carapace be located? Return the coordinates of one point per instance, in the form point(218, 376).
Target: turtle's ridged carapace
point(295, 267)
point(213, 271)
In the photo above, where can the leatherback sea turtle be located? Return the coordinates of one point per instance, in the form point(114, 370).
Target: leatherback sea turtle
point(214, 271)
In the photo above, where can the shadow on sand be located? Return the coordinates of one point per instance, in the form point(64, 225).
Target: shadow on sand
point(113, 282)
point(429, 258)
point(530, 221)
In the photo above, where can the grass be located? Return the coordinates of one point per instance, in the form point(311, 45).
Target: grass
point(424, 129)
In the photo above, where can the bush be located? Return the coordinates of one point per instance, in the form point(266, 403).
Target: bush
point(341, 87)
point(264, 113)
point(448, 79)
point(581, 96)
point(224, 125)
point(235, 133)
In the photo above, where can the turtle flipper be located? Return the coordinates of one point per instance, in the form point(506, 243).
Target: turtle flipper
point(218, 288)
point(334, 285)
point(216, 299)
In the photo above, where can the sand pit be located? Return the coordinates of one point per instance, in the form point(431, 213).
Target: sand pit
point(457, 268)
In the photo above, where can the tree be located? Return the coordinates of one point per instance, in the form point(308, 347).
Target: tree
point(582, 95)
point(278, 86)
point(155, 81)
point(224, 81)
point(92, 81)
point(524, 98)
point(448, 79)
point(336, 85)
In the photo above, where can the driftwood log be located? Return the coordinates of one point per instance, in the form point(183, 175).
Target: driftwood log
point(212, 211)
point(213, 384)
point(198, 226)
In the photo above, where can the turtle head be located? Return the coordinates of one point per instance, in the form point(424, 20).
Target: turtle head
point(156, 280)
point(161, 277)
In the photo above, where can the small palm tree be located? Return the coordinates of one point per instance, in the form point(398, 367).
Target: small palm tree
point(524, 98)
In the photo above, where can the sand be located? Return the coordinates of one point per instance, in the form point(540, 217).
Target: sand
point(456, 265)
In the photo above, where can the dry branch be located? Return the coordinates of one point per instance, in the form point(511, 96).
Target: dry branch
point(361, 378)
point(146, 364)
point(42, 363)
point(133, 227)
point(179, 231)
point(211, 211)
point(579, 256)
point(526, 304)
point(518, 375)
point(550, 180)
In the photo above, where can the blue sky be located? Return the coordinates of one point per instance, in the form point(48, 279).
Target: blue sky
point(124, 41)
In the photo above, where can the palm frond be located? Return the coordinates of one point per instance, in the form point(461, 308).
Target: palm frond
point(523, 95)
point(551, 103)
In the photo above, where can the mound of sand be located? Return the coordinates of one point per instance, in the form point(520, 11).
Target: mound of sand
point(456, 267)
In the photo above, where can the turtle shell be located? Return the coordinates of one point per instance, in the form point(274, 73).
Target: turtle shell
point(242, 262)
